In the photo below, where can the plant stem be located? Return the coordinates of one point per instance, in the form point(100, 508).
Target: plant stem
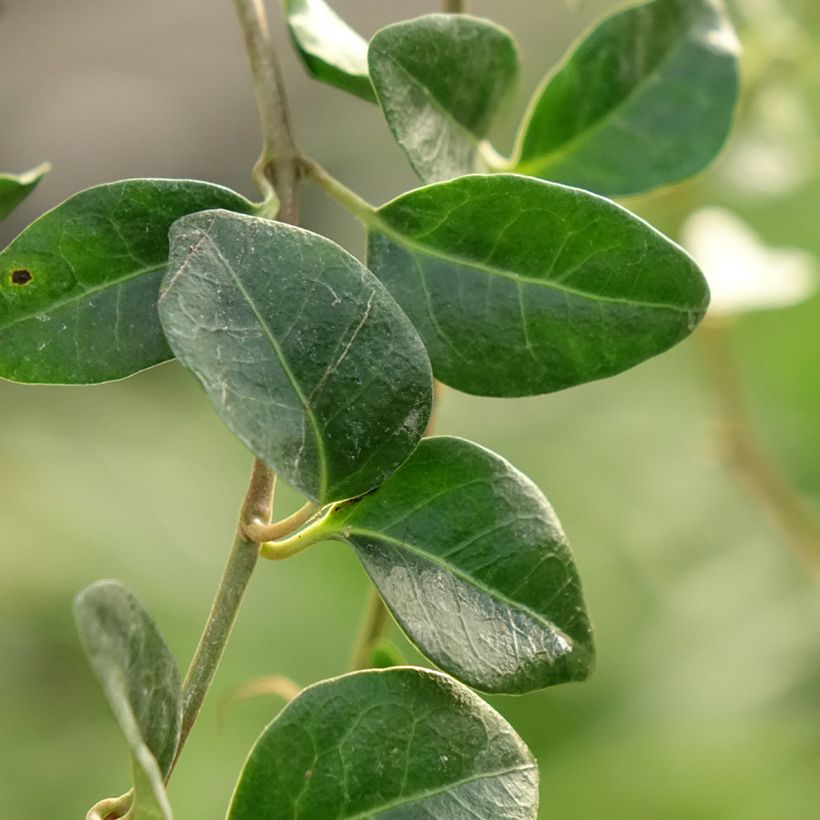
point(238, 569)
point(277, 174)
point(454, 6)
point(747, 456)
point(362, 210)
point(373, 626)
point(278, 166)
point(261, 531)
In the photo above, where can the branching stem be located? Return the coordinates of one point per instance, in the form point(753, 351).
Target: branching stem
point(277, 174)
point(277, 170)
point(238, 569)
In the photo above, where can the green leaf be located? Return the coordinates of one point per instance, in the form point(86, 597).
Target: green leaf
point(141, 681)
point(645, 100)
point(469, 557)
point(400, 743)
point(302, 352)
point(440, 79)
point(331, 51)
point(78, 287)
point(385, 654)
point(519, 286)
point(14, 188)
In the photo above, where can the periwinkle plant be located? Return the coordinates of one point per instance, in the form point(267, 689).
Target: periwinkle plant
point(499, 276)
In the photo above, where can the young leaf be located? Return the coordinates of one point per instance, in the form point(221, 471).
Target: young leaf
point(14, 188)
point(519, 286)
point(301, 350)
point(78, 287)
point(469, 557)
point(440, 80)
point(645, 100)
point(331, 51)
point(398, 743)
point(141, 682)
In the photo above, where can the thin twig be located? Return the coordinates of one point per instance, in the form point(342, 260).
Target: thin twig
point(454, 6)
point(277, 174)
point(238, 570)
point(376, 620)
point(747, 456)
point(278, 164)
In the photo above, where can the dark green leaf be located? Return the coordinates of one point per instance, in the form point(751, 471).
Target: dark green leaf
point(301, 350)
point(520, 287)
point(440, 80)
point(645, 100)
point(141, 681)
point(330, 49)
point(78, 287)
point(14, 188)
point(469, 557)
point(401, 743)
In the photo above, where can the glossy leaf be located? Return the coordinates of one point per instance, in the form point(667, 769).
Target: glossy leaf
point(400, 743)
point(14, 188)
point(141, 682)
point(646, 99)
point(301, 350)
point(469, 557)
point(331, 51)
point(440, 80)
point(519, 286)
point(78, 287)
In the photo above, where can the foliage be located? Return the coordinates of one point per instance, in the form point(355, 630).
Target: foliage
point(492, 281)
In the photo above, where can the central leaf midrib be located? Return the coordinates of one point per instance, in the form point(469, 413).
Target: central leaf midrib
point(542, 162)
point(382, 226)
point(86, 294)
point(312, 420)
point(459, 573)
point(418, 796)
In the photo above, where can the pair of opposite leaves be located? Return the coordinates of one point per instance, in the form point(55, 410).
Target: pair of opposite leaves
point(401, 742)
point(645, 99)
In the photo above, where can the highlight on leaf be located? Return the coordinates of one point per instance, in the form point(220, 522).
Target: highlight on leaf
point(301, 350)
point(14, 188)
point(556, 288)
point(330, 49)
point(78, 287)
point(440, 80)
point(400, 742)
point(471, 560)
point(644, 100)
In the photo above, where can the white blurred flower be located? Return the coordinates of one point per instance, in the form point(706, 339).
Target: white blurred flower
point(743, 273)
point(774, 153)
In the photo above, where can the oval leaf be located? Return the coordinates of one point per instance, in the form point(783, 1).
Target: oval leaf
point(78, 287)
point(440, 80)
point(519, 286)
point(301, 350)
point(331, 51)
point(469, 557)
point(141, 682)
point(646, 99)
point(14, 188)
point(398, 743)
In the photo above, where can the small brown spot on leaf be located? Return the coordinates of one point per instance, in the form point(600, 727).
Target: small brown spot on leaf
point(21, 277)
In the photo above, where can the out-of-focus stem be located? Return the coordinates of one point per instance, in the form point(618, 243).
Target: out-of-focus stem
point(747, 456)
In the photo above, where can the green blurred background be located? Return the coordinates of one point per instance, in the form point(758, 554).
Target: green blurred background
point(706, 700)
